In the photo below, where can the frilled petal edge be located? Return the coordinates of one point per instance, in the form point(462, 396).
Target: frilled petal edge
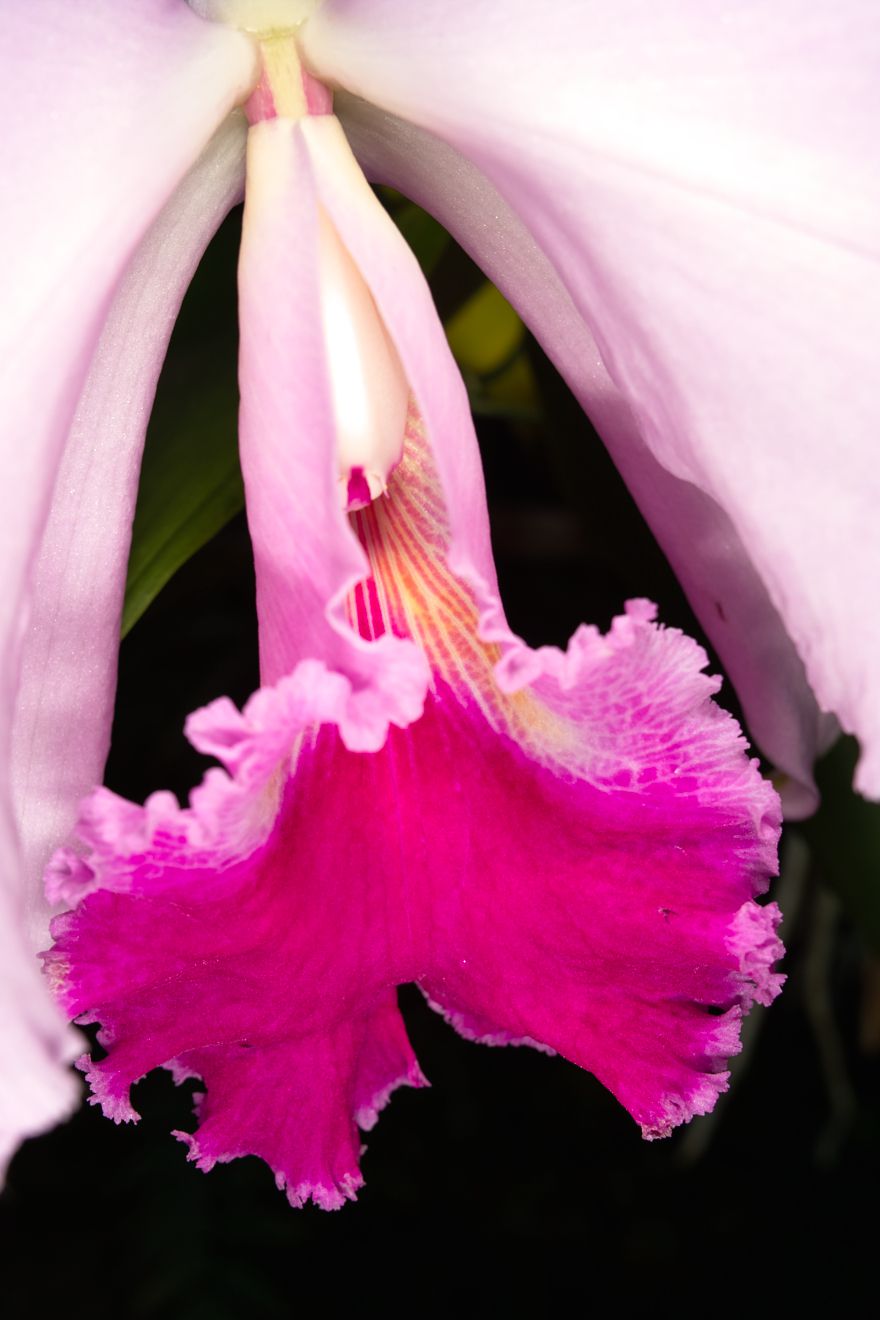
point(631, 944)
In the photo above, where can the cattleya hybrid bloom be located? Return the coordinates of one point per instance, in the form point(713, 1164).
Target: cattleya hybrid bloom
point(561, 849)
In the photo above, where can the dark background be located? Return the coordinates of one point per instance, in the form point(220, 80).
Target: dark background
point(516, 1185)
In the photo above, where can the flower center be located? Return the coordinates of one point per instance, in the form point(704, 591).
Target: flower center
point(260, 16)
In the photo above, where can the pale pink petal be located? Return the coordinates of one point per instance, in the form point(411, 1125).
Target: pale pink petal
point(64, 705)
point(709, 558)
point(255, 938)
point(110, 105)
point(706, 183)
point(572, 865)
point(36, 1088)
point(307, 558)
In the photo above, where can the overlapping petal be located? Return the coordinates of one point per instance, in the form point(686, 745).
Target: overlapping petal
point(307, 559)
point(255, 938)
point(111, 110)
point(64, 703)
point(705, 184)
point(703, 547)
point(112, 106)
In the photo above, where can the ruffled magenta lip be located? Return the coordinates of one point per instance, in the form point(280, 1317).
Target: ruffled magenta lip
point(196, 933)
point(561, 849)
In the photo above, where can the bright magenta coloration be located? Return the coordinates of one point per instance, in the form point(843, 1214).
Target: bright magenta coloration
point(559, 849)
point(570, 865)
point(681, 202)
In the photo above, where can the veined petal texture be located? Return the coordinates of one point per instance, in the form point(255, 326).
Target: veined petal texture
point(705, 181)
point(365, 831)
point(307, 558)
point(255, 938)
point(709, 558)
point(64, 703)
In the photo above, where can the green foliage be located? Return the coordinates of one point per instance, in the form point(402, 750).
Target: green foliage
point(845, 838)
point(190, 488)
point(190, 483)
point(488, 340)
point(428, 239)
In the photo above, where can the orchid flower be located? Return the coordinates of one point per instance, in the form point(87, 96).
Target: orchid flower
point(677, 201)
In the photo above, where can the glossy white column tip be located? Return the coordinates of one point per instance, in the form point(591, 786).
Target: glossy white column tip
point(369, 388)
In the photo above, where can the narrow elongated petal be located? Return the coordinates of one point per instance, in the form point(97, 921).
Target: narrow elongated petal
point(706, 185)
point(722, 584)
point(64, 704)
point(112, 105)
point(307, 558)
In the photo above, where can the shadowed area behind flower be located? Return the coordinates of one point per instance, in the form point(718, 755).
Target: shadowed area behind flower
point(571, 865)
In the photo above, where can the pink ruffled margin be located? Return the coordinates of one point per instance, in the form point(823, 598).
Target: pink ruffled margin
point(384, 811)
point(216, 847)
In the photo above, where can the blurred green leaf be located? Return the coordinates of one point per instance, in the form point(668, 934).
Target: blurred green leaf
point(845, 838)
point(190, 488)
point(485, 334)
point(425, 236)
point(190, 482)
point(488, 340)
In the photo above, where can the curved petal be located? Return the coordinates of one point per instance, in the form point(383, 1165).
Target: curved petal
point(112, 105)
point(306, 557)
point(64, 705)
point(254, 938)
point(112, 108)
point(706, 185)
point(699, 539)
